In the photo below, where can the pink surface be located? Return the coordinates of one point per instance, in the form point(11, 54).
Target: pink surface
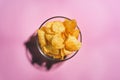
point(99, 21)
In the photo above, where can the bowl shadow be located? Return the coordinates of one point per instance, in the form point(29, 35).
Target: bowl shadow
point(36, 58)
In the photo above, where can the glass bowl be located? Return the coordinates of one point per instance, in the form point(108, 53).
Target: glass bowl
point(58, 18)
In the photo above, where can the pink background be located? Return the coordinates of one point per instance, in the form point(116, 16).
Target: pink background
point(99, 21)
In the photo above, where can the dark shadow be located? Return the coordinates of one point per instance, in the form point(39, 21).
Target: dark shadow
point(36, 58)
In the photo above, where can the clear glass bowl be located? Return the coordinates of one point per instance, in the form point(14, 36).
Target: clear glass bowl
point(59, 18)
point(35, 55)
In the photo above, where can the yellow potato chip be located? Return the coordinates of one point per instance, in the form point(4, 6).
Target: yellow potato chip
point(45, 50)
point(50, 55)
point(58, 27)
point(41, 37)
point(75, 33)
point(70, 25)
point(66, 52)
point(63, 36)
point(66, 34)
point(72, 44)
point(49, 37)
point(62, 54)
point(57, 57)
point(42, 28)
point(49, 24)
point(49, 49)
point(48, 30)
point(54, 51)
point(59, 46)
point(57, 41)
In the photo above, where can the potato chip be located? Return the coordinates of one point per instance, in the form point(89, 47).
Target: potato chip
point(49, 24)
point(70, 25)
point(57, 57)
point(48, 30)
point(59, 46)
point(49, 49)
point(57, 41)
point(49, 37)
point(72, 43)
point(58, 27)
point(62, 54)
point(75, 33)
point(63, 36)
point(52, 52)
point(45, 50)
point(41, 37)
point(66, 52)
point(66, 34)
point(42, 28)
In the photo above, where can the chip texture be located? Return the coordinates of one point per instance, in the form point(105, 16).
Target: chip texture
point(72, 44)
point(59, 39)
point(58, 27)
point(70, 25)
point(75, 33)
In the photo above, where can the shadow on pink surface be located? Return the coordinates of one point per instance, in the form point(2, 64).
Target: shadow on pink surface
point(36, 58)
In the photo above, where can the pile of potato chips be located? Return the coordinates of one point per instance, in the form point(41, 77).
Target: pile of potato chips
point(58, 39)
